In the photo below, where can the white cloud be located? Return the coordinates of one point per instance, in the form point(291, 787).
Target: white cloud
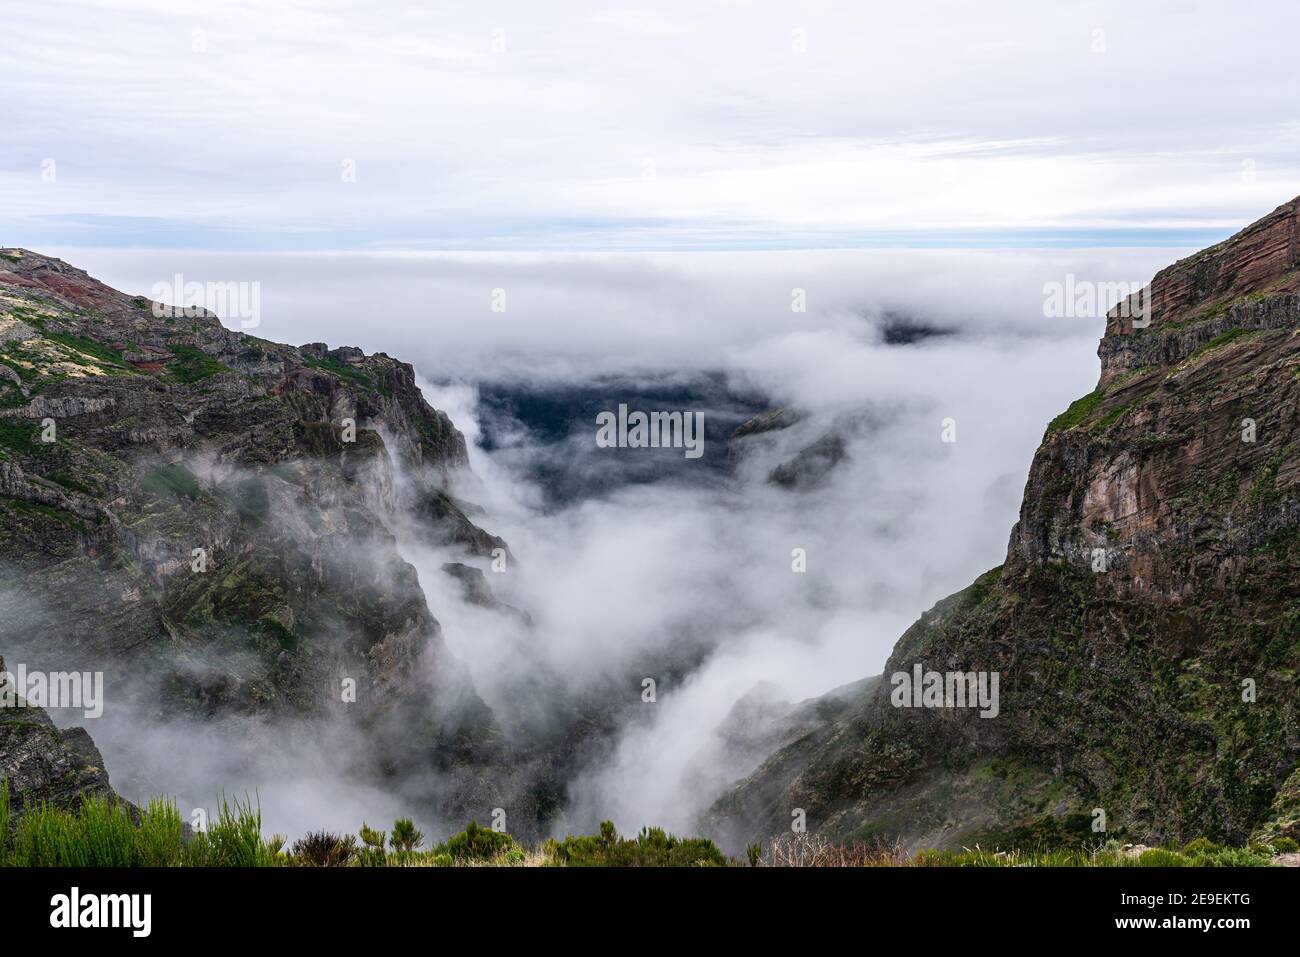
point(525, 125)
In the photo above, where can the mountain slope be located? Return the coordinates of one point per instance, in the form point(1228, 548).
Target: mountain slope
point(1151, 584)
point(40, 764)
point(206, 516)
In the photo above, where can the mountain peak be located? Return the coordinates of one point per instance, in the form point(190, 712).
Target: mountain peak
point(1250, 281)
point(1261, 259)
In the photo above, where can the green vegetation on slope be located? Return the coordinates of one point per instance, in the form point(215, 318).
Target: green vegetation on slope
point(1077, 413)
point(192, 365)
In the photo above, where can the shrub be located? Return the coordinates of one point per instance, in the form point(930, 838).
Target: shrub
point(158, 841)
point(234, 839)
point(1205, 853)
point(372, 853)
point(107, 832)
point(1161, 857)
point(99, 833)
point(323, 849)
point(1283, 845)
point(405, 835)
point(48, 836)
point(651, 848)
point(477, 844)
point(1235, 857)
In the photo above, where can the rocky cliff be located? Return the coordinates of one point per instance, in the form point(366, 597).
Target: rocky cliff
point(208, 517)
point(40, 764)
point(1145, 626)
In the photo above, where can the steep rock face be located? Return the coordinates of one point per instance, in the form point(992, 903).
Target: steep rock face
point(1179, 463)
point(39, 764)
point(207, 516)
point(1145, 625)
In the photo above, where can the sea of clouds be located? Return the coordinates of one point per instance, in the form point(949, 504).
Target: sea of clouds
point(687, 582)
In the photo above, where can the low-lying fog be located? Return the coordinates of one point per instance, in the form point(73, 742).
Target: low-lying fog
point(621, 567)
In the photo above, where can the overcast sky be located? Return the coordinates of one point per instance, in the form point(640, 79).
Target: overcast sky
point(702, 124)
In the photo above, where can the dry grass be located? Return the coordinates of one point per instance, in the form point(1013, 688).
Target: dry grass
point(811, 850)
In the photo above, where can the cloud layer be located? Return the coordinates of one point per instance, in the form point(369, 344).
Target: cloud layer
point(726, 124)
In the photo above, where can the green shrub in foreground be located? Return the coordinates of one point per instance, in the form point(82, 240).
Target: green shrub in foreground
point(323, 849)
point(651, 848)
point(406, 837)
point(234, 839)
point(476, 844)
point(106, 832)
point(101, 832)
point(372, 852)
point(48, 836)
point(159, 841)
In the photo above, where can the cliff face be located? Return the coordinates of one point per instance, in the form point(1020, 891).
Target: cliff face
point(1179, 463)
point(40, 764)
point(206, 516)
point(1146, 623)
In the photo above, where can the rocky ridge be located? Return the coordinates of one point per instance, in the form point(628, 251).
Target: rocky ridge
point(1145, 624)
point(207, 516)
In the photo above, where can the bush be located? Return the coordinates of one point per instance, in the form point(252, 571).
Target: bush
point(234, 839)
point(323, 849)
point(477, 844)
point(108, 833)
point(1283, 845)
point(372, 852)
point(405, 836)
point(159, 840)
point(1200, 846)
point(48, 836)
point(1161, 857)
point(100, 833)
point(651, 848)
point(1205, 853)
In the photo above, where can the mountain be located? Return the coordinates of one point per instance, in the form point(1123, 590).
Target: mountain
point(207, 517)
point(1144, 627)
point(41, 763)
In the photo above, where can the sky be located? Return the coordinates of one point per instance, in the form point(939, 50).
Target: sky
point(713, 124)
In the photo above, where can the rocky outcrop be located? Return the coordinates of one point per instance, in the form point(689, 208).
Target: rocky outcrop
point(209, 516)
point(1144, 625)
point(40, 764)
